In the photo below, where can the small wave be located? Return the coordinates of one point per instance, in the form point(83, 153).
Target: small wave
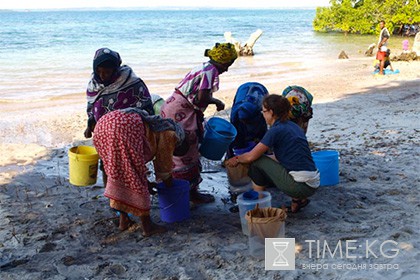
point(32, 99)
point(7, 101)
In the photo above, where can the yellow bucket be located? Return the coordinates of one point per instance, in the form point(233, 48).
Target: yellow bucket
point(83, 165)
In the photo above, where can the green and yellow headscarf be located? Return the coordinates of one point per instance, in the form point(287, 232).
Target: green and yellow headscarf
point(223, 53)
point(301, 101)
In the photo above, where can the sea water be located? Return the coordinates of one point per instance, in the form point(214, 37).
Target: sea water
point(46, 54)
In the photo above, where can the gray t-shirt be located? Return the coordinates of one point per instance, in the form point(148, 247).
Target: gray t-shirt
point(384, 34)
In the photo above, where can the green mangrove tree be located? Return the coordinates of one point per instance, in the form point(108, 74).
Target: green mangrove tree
point(363, 16)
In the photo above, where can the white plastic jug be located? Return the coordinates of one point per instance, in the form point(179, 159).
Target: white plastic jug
point(263, 200)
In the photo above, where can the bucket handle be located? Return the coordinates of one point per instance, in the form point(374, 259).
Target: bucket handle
point(331, 162)
point(172, 204)
point(214, 115)
point(77, 153)
point(225, 111)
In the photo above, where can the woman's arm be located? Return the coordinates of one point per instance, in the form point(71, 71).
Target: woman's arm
point(165, 146)
point(204, 98)
point(90, 122)
point(248, 157)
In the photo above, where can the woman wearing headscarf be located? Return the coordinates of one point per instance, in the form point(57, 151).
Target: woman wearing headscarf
point(113, 87)
point(126, 140)
point(187, 105)
point(301, 101)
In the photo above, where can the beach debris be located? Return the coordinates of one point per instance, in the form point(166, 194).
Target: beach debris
point(48, 247)
point(68, 260)
point(405, 56)
point(369, 51)
point(234, 209)
point(343, 55)
point(247, 48)
point(117, 269)
point(211, 166)
point(406, 246)
point(14, 234)
point(12, 264)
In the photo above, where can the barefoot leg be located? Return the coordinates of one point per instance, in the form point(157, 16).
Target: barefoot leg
point(125, 221)
point(150, 228)
point(197, 197)
point(257, 188)
point(294, 207)
point(297, 204)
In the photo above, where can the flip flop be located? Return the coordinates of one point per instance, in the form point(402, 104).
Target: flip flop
point(299, 203)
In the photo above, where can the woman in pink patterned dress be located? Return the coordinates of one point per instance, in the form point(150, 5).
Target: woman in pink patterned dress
point(126, 140)
point(187, 105)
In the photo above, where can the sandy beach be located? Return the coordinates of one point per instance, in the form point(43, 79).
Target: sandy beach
point(50, 229)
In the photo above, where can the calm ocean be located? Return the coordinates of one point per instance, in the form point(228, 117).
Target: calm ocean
point(49, 53)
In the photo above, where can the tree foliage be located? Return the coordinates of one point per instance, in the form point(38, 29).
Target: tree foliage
point(363, 16)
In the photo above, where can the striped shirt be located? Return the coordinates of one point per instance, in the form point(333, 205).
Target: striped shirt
point(203, 77)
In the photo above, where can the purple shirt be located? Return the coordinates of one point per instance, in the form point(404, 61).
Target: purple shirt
point(203, 77)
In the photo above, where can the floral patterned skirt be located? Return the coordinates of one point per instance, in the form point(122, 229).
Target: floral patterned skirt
point(120, 141)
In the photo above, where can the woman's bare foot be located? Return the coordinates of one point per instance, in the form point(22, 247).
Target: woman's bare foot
point(125, 221)
point(197, 197)
point(258, 188)
point(150, 228)
point(154, 229)
point(297, 204)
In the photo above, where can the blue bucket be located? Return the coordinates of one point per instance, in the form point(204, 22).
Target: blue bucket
point(328, 166)
point(249, 147)
point(174, 202)
point(218, 134)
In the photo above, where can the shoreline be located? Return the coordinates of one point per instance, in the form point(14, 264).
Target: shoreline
point(333, 81)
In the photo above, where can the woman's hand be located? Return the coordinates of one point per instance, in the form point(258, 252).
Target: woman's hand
point(219, 105)
point(168, 182)
point(88, 132)
point(204, 98)
point(232, 162)
point(152, 186)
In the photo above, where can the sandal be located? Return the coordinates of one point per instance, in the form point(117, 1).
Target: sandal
point(301, 203)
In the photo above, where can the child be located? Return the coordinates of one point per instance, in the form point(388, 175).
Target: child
point(387, 62)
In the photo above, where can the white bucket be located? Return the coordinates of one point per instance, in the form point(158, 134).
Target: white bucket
point(244, 205)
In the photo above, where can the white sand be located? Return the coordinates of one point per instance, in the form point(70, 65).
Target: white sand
point(50, 229)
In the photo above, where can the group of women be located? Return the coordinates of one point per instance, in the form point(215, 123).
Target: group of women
point(127, 134)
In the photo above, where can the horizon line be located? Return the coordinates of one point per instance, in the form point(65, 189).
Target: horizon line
point(174, 8)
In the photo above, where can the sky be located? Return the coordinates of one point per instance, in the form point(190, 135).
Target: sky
point(64, 4)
